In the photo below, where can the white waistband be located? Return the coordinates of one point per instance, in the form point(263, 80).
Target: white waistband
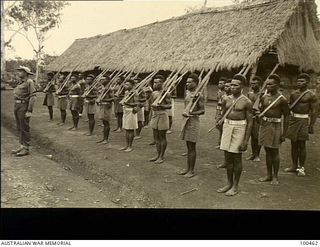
point(297, 115)
point(62, 96)
point(74, 96)
point(272, 119)
point(235, 122)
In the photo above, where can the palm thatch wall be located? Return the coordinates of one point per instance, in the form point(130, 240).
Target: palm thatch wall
point(223, 38)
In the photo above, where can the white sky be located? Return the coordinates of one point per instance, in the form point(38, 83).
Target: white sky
point(89, 18)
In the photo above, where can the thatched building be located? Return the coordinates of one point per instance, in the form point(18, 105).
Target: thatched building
point(256, 35)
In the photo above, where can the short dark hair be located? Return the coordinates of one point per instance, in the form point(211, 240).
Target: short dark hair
point(90, 76)
point(105, 76)
point(304, 76)
point(241, 78)
point(276, 78)
point(222, 78)
point(74, 75)
point(228, 80)
point(194, 77)
point(161, 77)
point(257, 78)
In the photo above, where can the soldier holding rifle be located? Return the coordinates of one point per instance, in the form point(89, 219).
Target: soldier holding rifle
point(140, 115)
point(302, 104)
point(62, 102)
point(253, 96)
point(273, 106)
point(237, 123)
point(191, 131)
point(220, 93)
point(82, 83)
point(74, 95)
point(49, 98)
point(118, 108)
point(90, 103)
point(105, 107)
point(160, 119)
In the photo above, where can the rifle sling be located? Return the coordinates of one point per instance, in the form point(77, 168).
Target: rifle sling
point(269, 106)
point(230, 108)
point(298, 99)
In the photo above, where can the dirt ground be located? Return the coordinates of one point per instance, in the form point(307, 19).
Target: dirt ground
point(129, 180)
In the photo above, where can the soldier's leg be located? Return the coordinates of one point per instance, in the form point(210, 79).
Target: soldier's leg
point(106, 129)
point(185, 171)
point(163, 145)
point(237, 170)
point(302, 153)
point(16, 109)
point(229, 164)
point(192, 154)
point(63, 116)
point(294, 155)
point(275, 165)
point(269, 163)
point(91, 123)
point(157, 141)
point(24, 127)
point(50, 109)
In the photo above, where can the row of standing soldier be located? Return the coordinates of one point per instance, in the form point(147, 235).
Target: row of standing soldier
point(236, 120)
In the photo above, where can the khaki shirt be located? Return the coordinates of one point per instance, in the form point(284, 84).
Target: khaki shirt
point(25, 90)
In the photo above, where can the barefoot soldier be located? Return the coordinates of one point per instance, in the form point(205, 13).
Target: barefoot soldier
point(130, 118)
point(24, 96)
point(147, 105)
point(118, 108)
point(273, 106)
point(74, 95)
point(49, 98)
point(62, 102)
point(82, 83)
point(220, 93)
point(303, 114)
point(140, 115)
point(191, 130)
point(105, 106)
point(253, 96)
point(90, 104)
point(160, 120)
point(227, 93)
point(237, 123)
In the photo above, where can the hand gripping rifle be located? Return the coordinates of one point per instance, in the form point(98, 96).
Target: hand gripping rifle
point(66, 80)
point(50, 83)
point(94, 83)
point(127, 76)
point(110, 86)
point(192, 104)
point(262, 90)
point(138, 89)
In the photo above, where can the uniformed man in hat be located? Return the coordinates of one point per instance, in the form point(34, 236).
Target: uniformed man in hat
point(24, 96)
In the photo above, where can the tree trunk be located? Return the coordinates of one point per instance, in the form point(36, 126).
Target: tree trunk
point(3, 62)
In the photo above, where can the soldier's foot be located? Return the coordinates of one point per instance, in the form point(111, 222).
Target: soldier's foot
point(275, 181)
point(118, 131)
point(184, 154)
point(100, 141)
point(105, 142)
point(23, 152)
point(71, 128)
point(190, 174)
point(256, 159)
point(301, 172)
point(221, 166)
point(169, 131)
point(15, 151)
point(115, 130)
point(183, 172)
point(75, 129)
point(250, 157)
point(137, 137)
point(50, 120)
point(159, 161)
point(89, 134)
point(224, 189)
point(152, 143)
point(123, 148)
point(290, 169)
point(232, 192)
point(154, 158)
point(146, 127)
point(265, 179)
point(217, 147)
point(129, 149)
point(60, 124)
point(100, 124)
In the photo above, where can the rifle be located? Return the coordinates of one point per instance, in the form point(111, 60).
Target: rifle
point(127, 76)
point(192, 104)
point(94, 83)
point(138, 89)
point(111, 84)
point(171, 76)
point(66, 80)
point(52, 80)
point(261, 92)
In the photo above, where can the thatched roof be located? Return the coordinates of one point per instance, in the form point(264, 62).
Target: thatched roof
point(223, 38)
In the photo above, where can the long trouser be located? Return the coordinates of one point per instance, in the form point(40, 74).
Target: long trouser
point(22, 122)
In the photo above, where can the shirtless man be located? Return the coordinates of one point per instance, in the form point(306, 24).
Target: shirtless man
point(82, 83)
point(74, 95)
point(301, 121)
point(270, 133)
point(130, 118)
point(220, 93)
point(191, 130)
point(253, 95)
point(90, 104)
point(140, 115)
point(118, 108)
point(237, 110)
point(62, 102)
point(49, 98)
point(227, 93)
point(160, 120)
point(105, 106)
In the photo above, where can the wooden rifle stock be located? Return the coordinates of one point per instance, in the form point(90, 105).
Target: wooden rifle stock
point(52, 80)
point(95, 83)
point(257, 102)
